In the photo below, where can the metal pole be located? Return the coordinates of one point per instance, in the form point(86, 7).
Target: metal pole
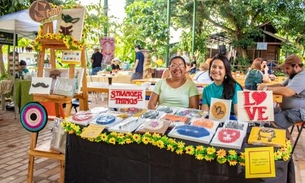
point(194, 25)
point(106, 14)
point(168, 35)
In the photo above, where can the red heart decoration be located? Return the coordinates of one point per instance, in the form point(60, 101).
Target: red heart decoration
point(259, 97)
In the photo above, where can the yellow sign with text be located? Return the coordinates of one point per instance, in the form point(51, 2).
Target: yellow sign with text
point(259, 162)
point(92, 131)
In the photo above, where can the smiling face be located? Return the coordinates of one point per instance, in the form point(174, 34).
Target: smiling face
point(177, 68)
point(218, 71)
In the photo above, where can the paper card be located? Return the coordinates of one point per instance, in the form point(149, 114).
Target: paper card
point(259, 162)
point(64, 86)
point(71, 57)
point(40, 85)
point(220, 109)
point(255, 106)
point(126, 97)
point(92, 131)
point(267, 136)
point(71, 23)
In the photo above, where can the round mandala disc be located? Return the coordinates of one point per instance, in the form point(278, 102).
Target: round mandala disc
point(33, 117)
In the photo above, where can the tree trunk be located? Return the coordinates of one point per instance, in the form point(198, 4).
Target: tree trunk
point(2, 69)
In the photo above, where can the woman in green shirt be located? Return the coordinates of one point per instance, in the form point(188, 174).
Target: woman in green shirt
point(224, 85)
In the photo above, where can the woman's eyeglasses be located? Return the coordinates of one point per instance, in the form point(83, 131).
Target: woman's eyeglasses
point(176, 66)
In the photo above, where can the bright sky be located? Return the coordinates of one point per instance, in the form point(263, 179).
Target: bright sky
point(116, 7)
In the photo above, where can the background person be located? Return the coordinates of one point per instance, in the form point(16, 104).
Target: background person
point(138, 66)
point(224, 85)
point(193, 67)
point(24, 73)
point(115, 64)
point(176, 90)
point(255, 76)
point(292, 109)
point(267, 70)
point(203, 76)
point(96, 61)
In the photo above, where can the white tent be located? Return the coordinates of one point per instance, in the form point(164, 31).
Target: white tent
point(19, 23)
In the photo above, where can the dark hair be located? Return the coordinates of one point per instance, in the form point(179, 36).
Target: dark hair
point(22, 62)
point(229, 82)
point(138, 46)
point(174, 57)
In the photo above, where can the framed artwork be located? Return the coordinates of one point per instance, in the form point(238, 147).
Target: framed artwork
point(71, 57)
point(40, 85)
point(71, 23)
point(255, 106)
point(220, 109)
point(64, 86)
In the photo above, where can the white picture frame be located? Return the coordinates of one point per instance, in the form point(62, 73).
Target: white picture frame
point(220, 109)
point(40, 85)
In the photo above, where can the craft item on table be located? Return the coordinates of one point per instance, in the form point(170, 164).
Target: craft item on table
point(175, 118)
point(99, 110)
point(108, 120)
point(227, 135)
point(92, 131)
point(33, 117)
point(153, 126)
point(127, 125)
point(256, 106)
point(267, 136)
point(229, 138)
point(105, 119)
point(136, 112)
point(82, 117)
point(166, 109)
point(191, 113)
point(238, 125)
point(192, 133)
point(150, 114)
point(220, 109)
point(206, 123)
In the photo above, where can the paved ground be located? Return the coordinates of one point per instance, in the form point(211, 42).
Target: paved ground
point(14, 143)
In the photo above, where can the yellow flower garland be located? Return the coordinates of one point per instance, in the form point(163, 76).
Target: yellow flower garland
point(69, 41)
point(164, 142)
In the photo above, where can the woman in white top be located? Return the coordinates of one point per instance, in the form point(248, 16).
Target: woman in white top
point(203, 75)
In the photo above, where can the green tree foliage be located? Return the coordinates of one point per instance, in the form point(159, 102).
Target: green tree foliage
point(240, 18)
point(144, 25)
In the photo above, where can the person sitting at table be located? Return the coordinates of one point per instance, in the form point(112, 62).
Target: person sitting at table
point(166, 74)
point(203, 75)
point(224, 85)
point(24, 73)
point(255, 76)
point(115, 64)
point(175, 90)
point(292, 109)
point(266, 70)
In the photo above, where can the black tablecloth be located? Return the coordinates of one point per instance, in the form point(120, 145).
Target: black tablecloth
point(91, 162)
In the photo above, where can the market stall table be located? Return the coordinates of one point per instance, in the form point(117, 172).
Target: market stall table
point(95, 162)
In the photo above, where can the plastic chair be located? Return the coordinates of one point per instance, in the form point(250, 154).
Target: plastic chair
point(50, 107)
point(299, 126)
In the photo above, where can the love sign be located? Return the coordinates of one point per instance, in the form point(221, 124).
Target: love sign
point(255, 105)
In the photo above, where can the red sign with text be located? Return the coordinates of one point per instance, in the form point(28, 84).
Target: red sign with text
point(126, 97)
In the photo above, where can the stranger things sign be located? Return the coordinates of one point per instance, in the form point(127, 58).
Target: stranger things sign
point(126, 97)
point(255, 106)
